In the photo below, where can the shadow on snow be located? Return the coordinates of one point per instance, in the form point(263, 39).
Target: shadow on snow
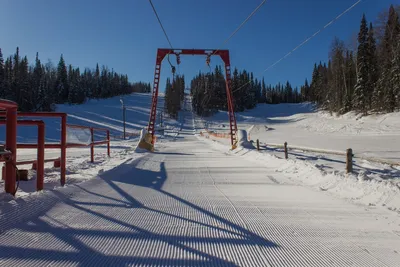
point(101, 207)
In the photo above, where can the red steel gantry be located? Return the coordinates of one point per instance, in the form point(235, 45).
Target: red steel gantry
point(224, 54)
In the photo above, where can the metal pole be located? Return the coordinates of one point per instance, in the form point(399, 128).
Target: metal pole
point(63, 148)
point(40, 157)
point(124, 115)
point(92, 145)
point(11, 145)
point(108, 144)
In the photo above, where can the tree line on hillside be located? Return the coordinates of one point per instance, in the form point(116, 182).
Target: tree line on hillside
point(366, 80)
point(39, 87)
point(209, 92)
point(174, 95)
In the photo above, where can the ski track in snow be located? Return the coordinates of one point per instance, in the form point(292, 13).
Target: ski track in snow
point(193, 204)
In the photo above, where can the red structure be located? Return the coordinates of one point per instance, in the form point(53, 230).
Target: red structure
point(9, 153)
point(224, 54)
point(63, 137)
point(40, 153)
point(10, 150)
point(93, 143)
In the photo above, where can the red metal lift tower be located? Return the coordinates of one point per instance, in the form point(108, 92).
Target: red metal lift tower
point(224, 54)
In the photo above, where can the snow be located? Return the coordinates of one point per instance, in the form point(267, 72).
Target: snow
point(104, 113)
point(374, 136)
point(195, 203)
point(373, 184)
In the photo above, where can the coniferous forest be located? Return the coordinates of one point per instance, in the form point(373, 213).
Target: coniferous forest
point(174, 95)
point(363, 76)
point(39, 87)
point(209, 92)
point(364, 79)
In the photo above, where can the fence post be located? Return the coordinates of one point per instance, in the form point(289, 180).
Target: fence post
point(108, 144)
point(92, 145)
point(258, 145)
point(63, 160)
point(349, 160)
point(40, 157)
point(286, 151)
point(11, 145)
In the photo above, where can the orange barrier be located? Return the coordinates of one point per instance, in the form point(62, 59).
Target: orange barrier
point(217, 135)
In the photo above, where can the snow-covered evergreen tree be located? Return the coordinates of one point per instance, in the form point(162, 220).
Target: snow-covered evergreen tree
point(2, 76)
point(61, 86)
point(373, 73)
point(360, 98)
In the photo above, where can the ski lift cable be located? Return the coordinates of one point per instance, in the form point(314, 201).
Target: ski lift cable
point(159, 21)
point(163, 29)
point(240, 26)
point(306, 40)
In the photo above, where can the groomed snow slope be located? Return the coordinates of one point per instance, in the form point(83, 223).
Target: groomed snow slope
point(190, 204)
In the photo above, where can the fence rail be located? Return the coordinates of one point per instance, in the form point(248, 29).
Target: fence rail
point(348, 154)
point(11, 119)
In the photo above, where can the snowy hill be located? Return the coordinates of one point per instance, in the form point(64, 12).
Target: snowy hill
point(104, 113)
point(301, 125)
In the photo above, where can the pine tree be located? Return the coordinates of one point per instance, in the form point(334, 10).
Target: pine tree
point(373, 73)
point(360, 99)
point(386, 88)
point(395, 73)
point(305, 91)
point(15, 92)
point(263, 98)
point(351, 80)
point(2, 76)
point(50, 78)
point(61, 86)
point(25, 100)
point(314, 84)
point(38, 86)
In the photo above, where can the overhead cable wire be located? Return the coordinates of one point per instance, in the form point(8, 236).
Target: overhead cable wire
point(165, 33)
point(306, 40)
point(241, 25)
point(159, 21)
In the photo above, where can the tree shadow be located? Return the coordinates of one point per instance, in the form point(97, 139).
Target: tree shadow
point(111, 216)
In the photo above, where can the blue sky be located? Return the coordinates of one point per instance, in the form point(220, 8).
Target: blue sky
point(124, 34)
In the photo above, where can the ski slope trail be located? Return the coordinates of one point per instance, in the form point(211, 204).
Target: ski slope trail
point(189, 204)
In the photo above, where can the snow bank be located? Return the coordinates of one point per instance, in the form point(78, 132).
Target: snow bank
point(243, 140)
point(362, 187)
point(301, 125)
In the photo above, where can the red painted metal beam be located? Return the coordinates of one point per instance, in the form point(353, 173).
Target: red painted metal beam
point(224, 54)
point(40, 151)
point(11, 145)
point(6, 104)
point(34, 146)
point(63, 137)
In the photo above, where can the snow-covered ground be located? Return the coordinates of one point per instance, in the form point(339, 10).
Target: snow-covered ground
point(376, 136)
point(300, 125)
point(105, 113)
point(192, 203)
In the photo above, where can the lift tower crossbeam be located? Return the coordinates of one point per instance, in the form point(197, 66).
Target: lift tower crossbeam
point(224, 54)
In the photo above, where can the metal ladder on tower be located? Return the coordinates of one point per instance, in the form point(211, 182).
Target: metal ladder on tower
point(153, 114)
point(232, 119)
